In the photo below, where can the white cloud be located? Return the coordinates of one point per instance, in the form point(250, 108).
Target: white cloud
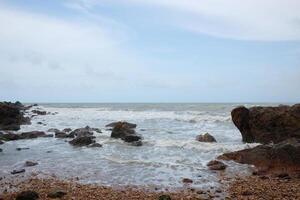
point(270, 20)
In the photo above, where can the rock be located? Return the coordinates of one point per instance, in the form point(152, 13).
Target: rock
point(132, 138)
point(284, 156)
point(32, 134)
point(67, 130)
point(9, 136)
point(61, 134)
point(267, 124)
point(137, 143)
point(124, 131)
point(56, 193)
point(53, 130)
point(1, 150)
point(129, 125)
point(39, 112)
point(1, 142)
point(206, 138)
point(18, 171)
point(11, 116)
point(80, 132)
point(216, 165)
point(82, 141)
point(95, 145)
point(187, 180)
point(22, 148)
point(27, 195)
point(164, 197)
point(30, 163)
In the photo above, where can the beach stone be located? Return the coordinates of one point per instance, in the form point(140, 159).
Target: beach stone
point(216, 165)
point(18, 171)
point(164, 197)
point(82, 141)
point(206, 138)
point(56, 193)
point(129, 125)
point(267, 124)
point(27, 195)
point(30, 163)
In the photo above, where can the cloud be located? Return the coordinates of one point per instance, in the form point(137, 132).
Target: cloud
point(268, 20)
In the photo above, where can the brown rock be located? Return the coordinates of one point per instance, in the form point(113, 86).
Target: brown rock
point(27, 195)
point(216, 165)
point(82, 141)
point(187, 180)
point(206, 138)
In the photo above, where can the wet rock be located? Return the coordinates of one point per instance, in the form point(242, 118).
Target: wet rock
point(95, 145)
point(27, 195)
point(216, 165)
point(53, 130)
point(56, 193)
point(9, 136)
point(137, 143)
point(124, 131)
point(206, 138)
point(164, 197)
point(284, 156)
point(30, 163)
point(61, 134)
point(18, 171)
point(22, 148)
point(39, 112)
point(32, 134)
point(82, 141)
point(129, 125)
point(132, 138)
point(80, 132)
point(267, 124)
point(1, 150)
point(67, 130)
point(48, 135)
point(1, 142)
point(187, 180)
point(12, 116)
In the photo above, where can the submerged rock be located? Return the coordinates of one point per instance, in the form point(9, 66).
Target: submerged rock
point(30, 163)
point(27, 195)
point(82, 141)
point(22, 148)
point(267, 124)
point(284, 156)
point(17, 171)
point(206, 138)
point(216, 165)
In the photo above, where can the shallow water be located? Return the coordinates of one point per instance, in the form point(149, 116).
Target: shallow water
point(169, 152)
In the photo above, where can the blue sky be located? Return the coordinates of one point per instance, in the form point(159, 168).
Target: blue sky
point(150, 51)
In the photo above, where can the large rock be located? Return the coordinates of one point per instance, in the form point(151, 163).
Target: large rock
point(11, 116)
point(267, 124)
point(87, 131)
point(272, 157)
point(206, 138)
point(126, 132)
point(129, 125)
point(82, 141)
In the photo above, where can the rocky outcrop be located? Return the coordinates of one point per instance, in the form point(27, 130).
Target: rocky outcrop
point(82, 141)
point(267, 124)
point(11, 116)
point(124, 131)
point(206, 138)
point(284, 156)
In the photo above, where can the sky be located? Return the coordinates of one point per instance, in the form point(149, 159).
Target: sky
point(150, 50)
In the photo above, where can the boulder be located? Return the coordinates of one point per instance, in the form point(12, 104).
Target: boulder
point(267, 124)
point(284, 156)
point(216, 165)
point(132, 138)
point(27, 195)
point(130, 125)
point(206, 138)
point(82, 141)
point(12, 116)
point(124, 131)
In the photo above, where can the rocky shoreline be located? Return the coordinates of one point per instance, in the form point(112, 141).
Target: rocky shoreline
point(276, 159)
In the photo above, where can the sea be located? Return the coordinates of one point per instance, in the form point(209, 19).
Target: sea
point(169, 152)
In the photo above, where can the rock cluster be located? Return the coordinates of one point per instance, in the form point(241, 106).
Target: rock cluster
point(126, 132)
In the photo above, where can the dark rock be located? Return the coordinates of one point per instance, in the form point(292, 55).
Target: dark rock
point(131, 138)
point(61, 134)
point(129, 125)
point(284, 156)
point(1, 142)
point(137, 143)
point(124, 131)
point(18, 171)
point(164, 197)
point(28, 195)
point(32, 134)
point(267, 124)
point(30, 163)
point(216, 165)
point(206, 138)
point(53, 130)
point(10, 136)
point(11, 116)
point(82, 141)
point(39, 112)
point(40, 123)
point(67, 130)
point(1, 150)
point(95, 145)
point(80, 132)
point(56, 193)
point(187, 180)
point(22, 148)
point(48, 135)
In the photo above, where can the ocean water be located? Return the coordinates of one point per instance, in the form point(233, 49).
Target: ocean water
point(169, 152)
